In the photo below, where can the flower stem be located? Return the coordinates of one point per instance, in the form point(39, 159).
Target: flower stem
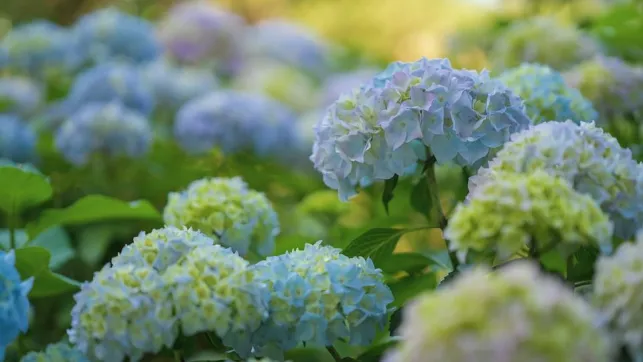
point(333, 352)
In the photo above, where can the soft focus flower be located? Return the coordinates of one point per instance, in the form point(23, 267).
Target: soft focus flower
point(319, 296)
point(58, 352)
point(370, 134)
point(542, 40)
point(281, 82)
point(161, 248)
point(614, 87)
point(228, 211)
point(17, 139)
point(173, 86)
point(125, 311)
point(109, 34)
point(106, 128)
point(236, 121)
point(14, 304)
point(546, 96)
point(343, 83)
point(591, 160)
point(40, 47)
point(198, 32)
point(213, 290)
point(520, 211)
point(289, 43)
point(513, 315)
point(618, 294)
point(20, 96)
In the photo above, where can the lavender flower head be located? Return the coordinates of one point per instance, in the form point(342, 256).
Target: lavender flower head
point(20, 96)
point(17, 139)
point(107, 128)
point(109, 34)
point(373, 132)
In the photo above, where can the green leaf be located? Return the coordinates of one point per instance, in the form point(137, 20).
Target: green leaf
point(396, 321)
point(421, 199)
point(22, 187)
point(55, 240)
point(405, 262)
point(582, 266)
point(441, 259)
point(389, 187)
point(448, 278)
point(206, 356)
point(410, 286)
point(94, 208)
point(377, 244)
point(50, 284)
point(375, 352)
point(33, 261)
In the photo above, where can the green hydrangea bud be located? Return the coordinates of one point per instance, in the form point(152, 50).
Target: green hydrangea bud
point(519, 211)
point(228, 211)
point(512, 315)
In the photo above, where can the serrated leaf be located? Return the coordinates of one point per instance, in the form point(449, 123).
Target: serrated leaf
point(389, 187)
point(22, 188)
point(421, 199)
point(405, 262)
point(410, 286)
point(377, 244)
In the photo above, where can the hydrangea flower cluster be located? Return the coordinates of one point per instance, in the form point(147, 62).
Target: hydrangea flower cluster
point(107, 128)
point(618, 294)
point(546, 96)
point(613, 86)
point(40, 47)
point(318, 296)
point(14, 304)
point(172, 86)
point(228, 211)
point(342, 83)
point(306, 50)
point(517, 212)
point(17, 139)
point(513, 314)
point(58, 352)
point(198, 32)
point(591, 160)
point(542, 40)
point(109, 34)
point(236, 121)
point(370, 134)
point(20, 96)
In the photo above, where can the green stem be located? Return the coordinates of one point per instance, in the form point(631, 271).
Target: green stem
point(177, 356)
point(333, 352)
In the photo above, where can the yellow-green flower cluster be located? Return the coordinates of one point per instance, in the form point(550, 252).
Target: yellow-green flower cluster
point(228, 211)
point(618, 293)
point(58, 352)
point(520, 211)
point(512, 315)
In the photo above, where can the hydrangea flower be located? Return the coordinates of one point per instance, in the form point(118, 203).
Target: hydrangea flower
point(236, 121)
point(591, 160)
point(542, 40)
point(618, 294)
point(228, 211)
point(306, 50)
point(514, 314)
point(343, 83)
point(125, 311)
point(319, 296)
point(280, 82)
point(20, 96)
point(58, 352)
point(17, 139)
point(172, 86)
point(213, 290)
point(198, 32)
point(370, 133)
point(109, 34)
point(107, 128)
point(546, 96)
point(521, 211)
point(161, 248)
point(40, 47)
point(14, 304)
point(614, 87)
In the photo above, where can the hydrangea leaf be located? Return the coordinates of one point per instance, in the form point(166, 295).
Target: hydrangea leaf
point(405, 262)
point(55, 240)
point(21, 188)
point(377, 244)
point(408, 287)
point(375, 352)
point(33, 261)
point(389, 187)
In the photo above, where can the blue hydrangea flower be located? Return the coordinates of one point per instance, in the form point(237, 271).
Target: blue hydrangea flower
point(106, 128)
point(319, 296)
point(40, 47)
point(228, 211)
point(546, 95)
point(198, 32)
point(372, 132)
point(109, 34)
point(17, 139)
point(58, 352)
point(235, 121)
point(343, 83)
point(20, 96)
point(14, 304)
point(173, 86)
point(125, 311)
